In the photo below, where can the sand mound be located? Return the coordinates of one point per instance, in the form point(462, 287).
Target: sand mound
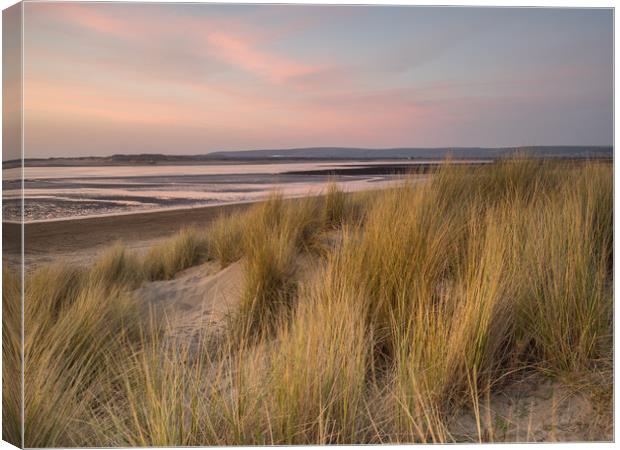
point(204, 296)
point(196, 298)
point(534, 410)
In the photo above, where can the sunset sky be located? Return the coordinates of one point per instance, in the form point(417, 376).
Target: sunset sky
point(194, 78)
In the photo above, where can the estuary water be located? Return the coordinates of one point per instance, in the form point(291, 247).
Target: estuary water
point(52, 193)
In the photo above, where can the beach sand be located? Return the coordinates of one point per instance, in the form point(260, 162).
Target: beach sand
point(82, 240)
point(196, 298)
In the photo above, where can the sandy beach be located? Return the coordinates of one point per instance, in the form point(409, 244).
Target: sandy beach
point(81, 240)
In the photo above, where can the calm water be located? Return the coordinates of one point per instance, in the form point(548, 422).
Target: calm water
point(64, 192)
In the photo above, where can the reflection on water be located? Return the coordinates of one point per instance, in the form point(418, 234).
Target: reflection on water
point(63, 192)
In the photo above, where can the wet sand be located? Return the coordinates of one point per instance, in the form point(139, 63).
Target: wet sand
point(82, 240)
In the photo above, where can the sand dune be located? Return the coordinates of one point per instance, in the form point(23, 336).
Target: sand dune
point(198, 297)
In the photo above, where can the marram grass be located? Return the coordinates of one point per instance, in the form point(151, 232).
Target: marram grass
point(422, 299)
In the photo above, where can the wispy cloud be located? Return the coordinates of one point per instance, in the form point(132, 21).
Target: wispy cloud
point(242, 54)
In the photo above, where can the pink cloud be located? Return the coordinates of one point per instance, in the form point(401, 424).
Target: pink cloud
point(241, 53)
point(239, 46)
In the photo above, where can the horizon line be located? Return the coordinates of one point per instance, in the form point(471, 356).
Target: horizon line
point(287, 149)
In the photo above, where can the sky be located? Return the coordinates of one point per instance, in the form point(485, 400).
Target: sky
point(105, 78)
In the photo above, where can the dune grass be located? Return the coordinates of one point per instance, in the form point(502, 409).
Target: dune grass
point(75, 321)
point(226, 238)
point(11, 357)
point(334, 205)
point(434, 295)
point(163, 261)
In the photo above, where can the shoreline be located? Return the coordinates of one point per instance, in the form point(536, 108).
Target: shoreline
point(158, 209)
point(155, 210)
point(82, 239)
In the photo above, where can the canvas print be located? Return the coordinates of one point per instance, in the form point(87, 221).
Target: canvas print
point(285, 224)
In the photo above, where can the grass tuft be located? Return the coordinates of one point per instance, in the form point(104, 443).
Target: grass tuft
point(165, 260)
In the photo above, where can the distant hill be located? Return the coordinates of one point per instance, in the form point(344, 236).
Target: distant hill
point(418, 153)
point(321, 153)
